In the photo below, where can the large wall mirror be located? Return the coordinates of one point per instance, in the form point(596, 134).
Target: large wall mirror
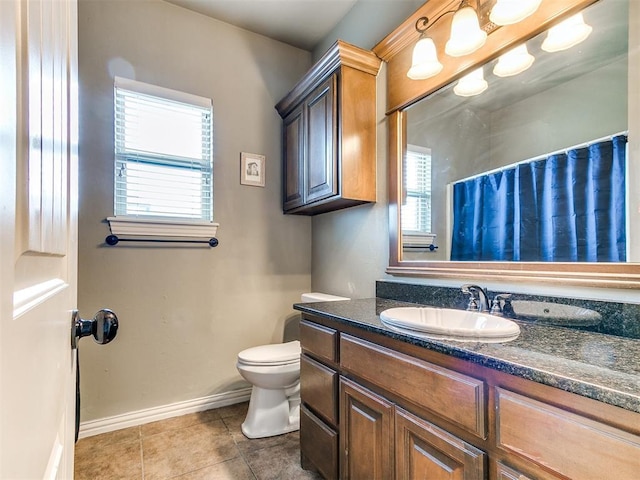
point(525, 171)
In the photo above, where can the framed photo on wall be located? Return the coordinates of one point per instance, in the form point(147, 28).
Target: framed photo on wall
point(252, 168)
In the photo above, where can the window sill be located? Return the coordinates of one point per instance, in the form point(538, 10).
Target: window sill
point(417, 239)
point(152, 227)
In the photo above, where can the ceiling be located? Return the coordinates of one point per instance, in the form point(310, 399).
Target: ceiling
point(301, 23)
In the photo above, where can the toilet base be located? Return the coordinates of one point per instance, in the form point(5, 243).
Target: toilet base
point(271, 413)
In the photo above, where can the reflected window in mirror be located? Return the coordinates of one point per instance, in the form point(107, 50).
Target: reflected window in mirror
point(416, 202)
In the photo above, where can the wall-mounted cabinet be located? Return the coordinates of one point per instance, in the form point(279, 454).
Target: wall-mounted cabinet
point(329, 133)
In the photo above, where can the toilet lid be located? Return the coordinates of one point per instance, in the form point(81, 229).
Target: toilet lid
point(276, 354)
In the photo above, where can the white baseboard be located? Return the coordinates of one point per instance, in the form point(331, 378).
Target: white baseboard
point(140, 417)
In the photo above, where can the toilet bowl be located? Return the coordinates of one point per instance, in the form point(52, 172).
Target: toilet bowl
point(274, 373)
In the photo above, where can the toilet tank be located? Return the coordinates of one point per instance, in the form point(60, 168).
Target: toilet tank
point(320, 297)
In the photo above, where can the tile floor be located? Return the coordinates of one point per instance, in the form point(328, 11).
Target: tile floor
point(198, 446)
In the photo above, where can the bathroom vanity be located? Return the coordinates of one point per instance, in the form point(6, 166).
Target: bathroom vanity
point(380, 404)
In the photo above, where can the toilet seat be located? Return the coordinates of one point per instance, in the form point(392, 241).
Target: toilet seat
point(271, 355)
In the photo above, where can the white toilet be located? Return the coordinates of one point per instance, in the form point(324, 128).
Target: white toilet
point(274, 372)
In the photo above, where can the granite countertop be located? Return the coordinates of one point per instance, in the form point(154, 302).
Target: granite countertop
point(598, 366)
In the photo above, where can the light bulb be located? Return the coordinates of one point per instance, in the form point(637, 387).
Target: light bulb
point(513, 62)
point(507, 12)
point(466, 36)
point(566, 34)
point(425, 61)
point(471, 84)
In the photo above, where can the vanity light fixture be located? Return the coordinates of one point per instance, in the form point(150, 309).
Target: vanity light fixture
point(507, 12)
point(471, 84)
point(515, 61)
point(566, 34)
point(425, 63)
point(466, 35)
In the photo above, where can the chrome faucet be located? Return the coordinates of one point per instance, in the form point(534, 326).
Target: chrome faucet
point(479, 300)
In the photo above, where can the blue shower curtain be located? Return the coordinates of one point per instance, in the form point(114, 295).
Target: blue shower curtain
point(568, 207)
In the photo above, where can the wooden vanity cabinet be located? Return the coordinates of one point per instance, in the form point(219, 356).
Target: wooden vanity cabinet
point(329, 133)
point(401, 411)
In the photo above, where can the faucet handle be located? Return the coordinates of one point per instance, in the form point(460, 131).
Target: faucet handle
point(497, 309)
point(473, 304)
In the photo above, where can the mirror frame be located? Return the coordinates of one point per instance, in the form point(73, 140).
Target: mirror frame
point(396, 50)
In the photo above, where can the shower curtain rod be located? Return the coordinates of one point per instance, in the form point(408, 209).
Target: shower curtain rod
point(543, 156)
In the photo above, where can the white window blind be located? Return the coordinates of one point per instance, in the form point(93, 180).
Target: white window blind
point(163, 154)
point(416, 208)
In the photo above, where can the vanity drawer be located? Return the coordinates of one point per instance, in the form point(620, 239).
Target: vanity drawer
point(318, 444)
point(319, 388)
point(319, 341)
point(564, 442)
point(457, 398)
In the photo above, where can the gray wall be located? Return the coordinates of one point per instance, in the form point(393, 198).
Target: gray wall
point(368, 22)
point(185, 312)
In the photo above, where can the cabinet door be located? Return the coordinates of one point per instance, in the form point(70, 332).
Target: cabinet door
point(366, 434)
point(293, 171)
point(426, 451)
point(321, 156)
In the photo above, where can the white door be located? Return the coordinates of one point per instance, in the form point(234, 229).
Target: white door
point(38, 251)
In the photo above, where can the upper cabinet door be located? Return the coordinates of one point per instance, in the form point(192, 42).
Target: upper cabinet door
point(293, 145)
point(322, 158)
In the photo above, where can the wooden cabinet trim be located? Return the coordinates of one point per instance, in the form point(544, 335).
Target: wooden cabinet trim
point(453, 396)
point(340, 54)
point(507, 473)
point(293, 145)
point(560, 441)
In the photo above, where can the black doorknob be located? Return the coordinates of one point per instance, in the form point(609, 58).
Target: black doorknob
point(103, 327)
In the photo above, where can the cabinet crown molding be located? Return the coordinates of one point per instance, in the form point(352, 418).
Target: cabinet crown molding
point(341, 54)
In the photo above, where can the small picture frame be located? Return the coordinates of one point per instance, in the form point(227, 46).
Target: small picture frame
point(252, 169)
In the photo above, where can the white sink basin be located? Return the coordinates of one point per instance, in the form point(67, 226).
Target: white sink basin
point(450, 324)
point(555, 313)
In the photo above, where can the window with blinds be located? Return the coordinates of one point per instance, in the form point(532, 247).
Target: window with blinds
point(416, 207)
point(163, 154)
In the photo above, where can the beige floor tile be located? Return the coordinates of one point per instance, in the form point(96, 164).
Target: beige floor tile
point(205, 445)
point(233, 410)
point(179, 451)
point(99, 441)
point(182, 421)
point(235, 469)
point(279, 462)
point(109, 462)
